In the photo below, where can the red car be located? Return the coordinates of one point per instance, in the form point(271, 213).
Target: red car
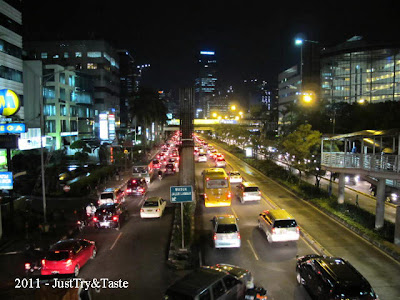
point(68, 256)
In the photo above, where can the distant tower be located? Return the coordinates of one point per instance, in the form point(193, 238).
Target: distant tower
point(206, 82)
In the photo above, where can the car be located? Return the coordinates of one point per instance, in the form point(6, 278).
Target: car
point(206, 283)
point(153, 207)
point(110, 216)
point(202, 157)
point(170, 169)
point(278, 225)
point(111, 195)
point(156, 164)
point(248, 191)
point(326, 277)
point(136, 186)
point(68, 256)
point(239, 273)
point(235, 177)
point(226, 232)
point(220, 163)
point(173, 161)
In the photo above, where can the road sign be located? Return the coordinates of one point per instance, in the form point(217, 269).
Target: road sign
point(180, 194)
point(66, 188)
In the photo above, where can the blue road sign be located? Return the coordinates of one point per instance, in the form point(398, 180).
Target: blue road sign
point(6, 181)
point(180, 194)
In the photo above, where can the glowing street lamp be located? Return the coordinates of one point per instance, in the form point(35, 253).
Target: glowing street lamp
point(215, 115)
point(233, 107)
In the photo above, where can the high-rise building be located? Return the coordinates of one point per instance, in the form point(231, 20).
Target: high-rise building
point(96, 58)
point(205, 83)
point(11, 66)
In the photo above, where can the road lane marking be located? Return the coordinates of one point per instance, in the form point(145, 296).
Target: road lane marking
point(252, 249)
point(234, 212)
point(116, 240)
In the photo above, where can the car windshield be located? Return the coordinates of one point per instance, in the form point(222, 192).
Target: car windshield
point(226, 228)
point(235, 174)
point(150, 204)
point(285, 223)
point(251, 189)
point(169, 166)
point(57, 255)
point(106, 196)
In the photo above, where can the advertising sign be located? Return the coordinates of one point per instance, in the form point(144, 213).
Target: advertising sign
point(6, 181)
point(9, 103)
point(103, 121)
point(12, 128)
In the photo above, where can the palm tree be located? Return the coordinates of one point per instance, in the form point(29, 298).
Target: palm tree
point(146, 107)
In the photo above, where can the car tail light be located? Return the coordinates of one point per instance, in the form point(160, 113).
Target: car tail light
point(215, 236)
point(43, 262)
point(140, 189)
point(157, 210)
point(259, 192)
point(27, 266)
point(129, 190)
point(205, 196)
point(115, 218)
point(273, 231)
point(141, 210)
point(298, 229)
point(94, 219)
point(115, 201)
point(229, 195)
point(238, 235)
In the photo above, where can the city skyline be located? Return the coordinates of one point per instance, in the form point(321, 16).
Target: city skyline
point(256, 41)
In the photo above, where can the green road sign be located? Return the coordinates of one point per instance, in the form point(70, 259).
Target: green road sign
point(180, 194)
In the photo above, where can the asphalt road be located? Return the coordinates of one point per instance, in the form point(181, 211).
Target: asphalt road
point(274, 265)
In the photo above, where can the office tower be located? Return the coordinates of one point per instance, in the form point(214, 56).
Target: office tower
point(205, 84)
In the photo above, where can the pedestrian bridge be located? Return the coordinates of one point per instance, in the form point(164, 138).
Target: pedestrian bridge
point(373, 153)
point(210, 124)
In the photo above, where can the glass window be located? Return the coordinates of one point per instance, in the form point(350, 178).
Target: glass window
point(50, 126)
point(49, 110)
point(43, 55)
point(66, 55)
point(62, 78)
point(74, 126)
point(94, 54)
point(49, 92)
point(91, 66)
point(78, 54)
point(63, 110)
point(218, 289)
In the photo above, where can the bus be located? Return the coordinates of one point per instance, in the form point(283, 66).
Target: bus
point(217, 189)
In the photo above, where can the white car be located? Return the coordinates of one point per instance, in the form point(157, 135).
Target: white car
point(235, 177)
point(153, 207)
point(220, 163)
point(226, 232)
point(202, 157)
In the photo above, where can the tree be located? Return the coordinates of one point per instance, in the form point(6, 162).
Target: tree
point(83, 155)
point(147, 107)
point(301, 145)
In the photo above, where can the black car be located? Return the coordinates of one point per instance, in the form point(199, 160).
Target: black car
point(136, 186)
point(327, 277)
point(110, 216)
point(170, 169)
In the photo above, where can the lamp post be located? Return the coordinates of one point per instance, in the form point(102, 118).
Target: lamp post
point(300, 42)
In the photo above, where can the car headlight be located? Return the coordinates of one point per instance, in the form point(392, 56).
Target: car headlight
point(394, 196)
point(347, 179)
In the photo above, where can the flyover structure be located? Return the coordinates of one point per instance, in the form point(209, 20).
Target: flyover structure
point(369, 153)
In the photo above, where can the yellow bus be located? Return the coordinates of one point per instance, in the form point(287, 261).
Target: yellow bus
point(217, 189)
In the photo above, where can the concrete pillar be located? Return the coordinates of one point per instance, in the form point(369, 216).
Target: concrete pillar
point(186, 167)
point(380, 203)
point(397, 227)
point(341, 188)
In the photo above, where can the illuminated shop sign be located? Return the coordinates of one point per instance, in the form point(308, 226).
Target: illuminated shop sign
point(12, 128)
point(9, 103)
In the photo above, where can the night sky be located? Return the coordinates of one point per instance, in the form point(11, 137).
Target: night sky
point(252, 39)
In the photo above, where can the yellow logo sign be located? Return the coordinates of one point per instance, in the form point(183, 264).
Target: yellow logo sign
point(9, 103)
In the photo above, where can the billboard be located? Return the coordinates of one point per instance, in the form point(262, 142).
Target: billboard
point(103, 122)
point(9, 103)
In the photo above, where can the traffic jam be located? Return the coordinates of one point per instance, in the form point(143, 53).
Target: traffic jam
point(67, 257)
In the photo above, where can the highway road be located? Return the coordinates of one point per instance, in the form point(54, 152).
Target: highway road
point(274, 265)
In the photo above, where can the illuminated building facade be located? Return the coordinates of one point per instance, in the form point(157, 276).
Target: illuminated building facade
point(359, 72)
point(205, 84)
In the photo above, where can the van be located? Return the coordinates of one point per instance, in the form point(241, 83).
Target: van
point(248, 191)
point(278, 225)
point(207, 283)
point(110, 196)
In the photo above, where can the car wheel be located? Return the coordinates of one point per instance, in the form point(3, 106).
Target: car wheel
point(94, 252)
point(300, 280)
point(76, 271)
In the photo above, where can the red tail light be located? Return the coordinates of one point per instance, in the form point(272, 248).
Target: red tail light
point(273, 231)
point(115, 201)
point(229, 195)
point(43, 262)
point(27, 266)
point(205, 196)
point(94, 219)
point(238, 235)
point(115, 218)
point(157, 210)
point(142, 210)
point(297, 229)
point(215, 236)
